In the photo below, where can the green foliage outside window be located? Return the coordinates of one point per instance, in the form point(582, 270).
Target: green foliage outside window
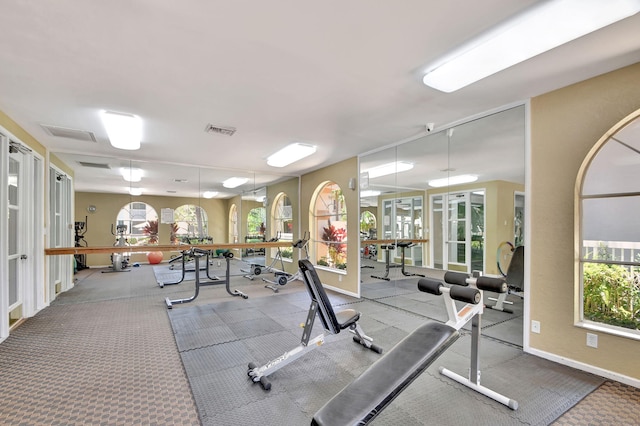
point(256, 220)
point(611, 294)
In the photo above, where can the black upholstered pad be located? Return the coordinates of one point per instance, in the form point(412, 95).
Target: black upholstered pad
point(346, 317)
point(365, 397)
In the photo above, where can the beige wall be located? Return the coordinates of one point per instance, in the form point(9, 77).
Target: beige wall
point(339, 173)
point(55, 161)
point(20, 133)
point(107, 208)
point(565, 124)
point(289, 187)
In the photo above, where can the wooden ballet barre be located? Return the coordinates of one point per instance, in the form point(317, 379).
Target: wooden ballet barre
point(164, 247)
point(392, 241)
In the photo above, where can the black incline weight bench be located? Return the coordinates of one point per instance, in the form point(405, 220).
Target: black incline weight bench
point(515, 281)
point(333, 323)
point(364, 398)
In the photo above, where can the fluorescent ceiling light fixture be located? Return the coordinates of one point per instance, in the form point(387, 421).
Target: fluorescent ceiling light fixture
point(124, 130)
point(369, 193)
point(290, 154)
point(209, 194)
point(135, 191)
point(131, 174)
point(452, 180)
point(234, 182)
point(535, 31)
point(389, 168)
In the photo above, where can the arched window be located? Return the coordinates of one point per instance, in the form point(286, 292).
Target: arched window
point(233, 224)
point(329, 219)
point(282, 223)
point(609, 230)
point(190, 224)
point(137, 222)
point(256, 221)
point(368, 225)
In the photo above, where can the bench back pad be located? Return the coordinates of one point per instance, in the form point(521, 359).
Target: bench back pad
point(317, 294)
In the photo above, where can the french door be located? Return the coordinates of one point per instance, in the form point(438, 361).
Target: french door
point(15, 253)
point(22, 291)
point(60, 206)
point(457, 240)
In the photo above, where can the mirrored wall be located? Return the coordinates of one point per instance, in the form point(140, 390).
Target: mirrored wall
point(136, 203)
point(448, 200)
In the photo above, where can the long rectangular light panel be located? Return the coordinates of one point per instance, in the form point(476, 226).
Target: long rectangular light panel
point(537, 30)
point(290, 154)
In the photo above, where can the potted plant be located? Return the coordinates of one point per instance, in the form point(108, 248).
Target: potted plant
point(332, 237)
point(151, 229)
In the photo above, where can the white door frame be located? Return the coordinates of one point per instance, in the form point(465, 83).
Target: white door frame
point(445, 196)
point(64, 263)
point(37, 300)
point(20, 213)
point(31, 282)
point(4, 230)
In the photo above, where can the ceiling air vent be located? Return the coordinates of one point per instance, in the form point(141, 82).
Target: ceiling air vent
point(64, 132)
point(94, 165)
point(227, 131)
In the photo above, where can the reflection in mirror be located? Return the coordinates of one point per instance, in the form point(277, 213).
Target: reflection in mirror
point(451, 196)
point(254, 219)
point(282, 224)
point(191, 204)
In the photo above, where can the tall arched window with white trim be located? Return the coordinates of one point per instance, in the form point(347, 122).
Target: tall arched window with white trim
point(191, 224)
point(233, 224)
point(282, 223)
point(137, 222)
point(329, 219)
point(608, 226)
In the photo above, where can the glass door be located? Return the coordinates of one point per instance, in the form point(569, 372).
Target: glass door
point(457, 241)
point(405, 225)
point(56, 234)
point(457, 232)
point(15, 250)
point(437, 220)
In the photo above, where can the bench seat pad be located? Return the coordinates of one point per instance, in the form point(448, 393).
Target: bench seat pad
point(361, 401)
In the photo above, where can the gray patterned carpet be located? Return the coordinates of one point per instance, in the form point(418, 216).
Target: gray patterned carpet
point(108, 352)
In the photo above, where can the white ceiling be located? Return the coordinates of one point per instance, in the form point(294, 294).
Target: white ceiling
point(343, 75)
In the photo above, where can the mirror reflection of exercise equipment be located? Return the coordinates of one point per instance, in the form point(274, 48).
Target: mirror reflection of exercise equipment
point(256, 269)
point(511, 267)
point(196, 254)
point(119, 261)
point(282, 277)
point(80, 230)
point(388, 248)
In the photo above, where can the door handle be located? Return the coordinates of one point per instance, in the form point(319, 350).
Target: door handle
point(23, 256)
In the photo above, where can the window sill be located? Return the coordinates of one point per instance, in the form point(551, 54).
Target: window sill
point(607, 329)
point(333, 270)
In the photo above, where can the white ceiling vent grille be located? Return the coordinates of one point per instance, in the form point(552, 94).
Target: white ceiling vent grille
point(64, 132)
point(94, 165)
point(227, 131)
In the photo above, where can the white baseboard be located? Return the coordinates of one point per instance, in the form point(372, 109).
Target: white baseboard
point(341, 291)
point(586, 367)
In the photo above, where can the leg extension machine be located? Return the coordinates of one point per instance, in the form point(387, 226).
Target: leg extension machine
point(362, 400)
